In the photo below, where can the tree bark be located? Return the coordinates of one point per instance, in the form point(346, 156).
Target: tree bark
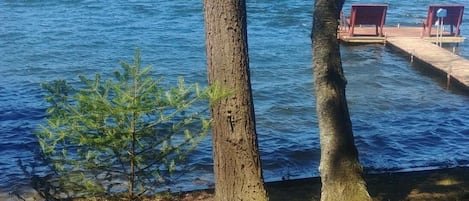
point(340, 170)
point(237, 165)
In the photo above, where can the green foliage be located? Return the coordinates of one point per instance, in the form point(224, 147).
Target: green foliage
point(121, 134)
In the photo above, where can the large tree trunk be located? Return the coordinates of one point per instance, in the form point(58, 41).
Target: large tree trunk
point(237, 166)
point(341, 173)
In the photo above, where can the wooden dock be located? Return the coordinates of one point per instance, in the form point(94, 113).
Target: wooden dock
point(366, 35)
point(441, 59)
point(411, 41)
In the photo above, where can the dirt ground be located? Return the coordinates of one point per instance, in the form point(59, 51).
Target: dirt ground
point(451, 184)
point(434, 185)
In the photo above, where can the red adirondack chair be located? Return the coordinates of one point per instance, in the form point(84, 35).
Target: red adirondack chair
point(368, 14)
point(453, 18)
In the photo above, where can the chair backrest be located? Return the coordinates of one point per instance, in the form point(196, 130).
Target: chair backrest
point(368, 14)
point(453, 18)
point(454, 14)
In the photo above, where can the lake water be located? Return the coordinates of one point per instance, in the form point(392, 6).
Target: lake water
point(403, 117)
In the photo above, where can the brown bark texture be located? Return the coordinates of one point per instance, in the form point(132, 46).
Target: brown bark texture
point(237, 165)
point(340, 170)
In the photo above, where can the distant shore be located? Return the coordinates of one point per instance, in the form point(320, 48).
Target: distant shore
point(429, 185)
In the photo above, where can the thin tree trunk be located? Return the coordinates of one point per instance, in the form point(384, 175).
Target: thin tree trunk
point(341, 173)
point(237, 166)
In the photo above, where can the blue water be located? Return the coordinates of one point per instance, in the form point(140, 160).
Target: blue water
point(403, 116)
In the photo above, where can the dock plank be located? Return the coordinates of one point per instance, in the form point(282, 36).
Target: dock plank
point(441, 59)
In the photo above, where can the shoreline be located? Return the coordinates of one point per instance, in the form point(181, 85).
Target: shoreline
point(446, 184)
point(429, 185)
point(436, 184)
